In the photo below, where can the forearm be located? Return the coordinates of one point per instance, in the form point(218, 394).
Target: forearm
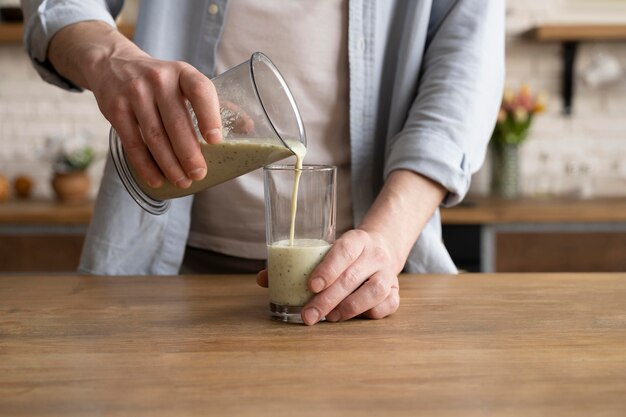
point(77, 50)
point(405, 204)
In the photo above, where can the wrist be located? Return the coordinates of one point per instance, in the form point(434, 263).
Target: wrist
point(393, 251)
point(400, 212)
point(82, 51)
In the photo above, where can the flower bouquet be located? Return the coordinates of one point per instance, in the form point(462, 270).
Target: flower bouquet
point(512, 126)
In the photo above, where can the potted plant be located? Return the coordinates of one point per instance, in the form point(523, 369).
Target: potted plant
point(71, 158)
point(512, 126)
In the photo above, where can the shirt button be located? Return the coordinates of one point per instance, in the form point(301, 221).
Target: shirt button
point(213, 9)
point(360, 44)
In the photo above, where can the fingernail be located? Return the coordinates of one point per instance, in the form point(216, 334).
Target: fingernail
point(183, 182)
point(197, 174)
point(214, 135)
point(334, 315)
point(317, 284)
point(155, 183)
point(310, 316)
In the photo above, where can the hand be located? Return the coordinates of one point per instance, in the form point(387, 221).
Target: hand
point(356, 277)
point(144, 99)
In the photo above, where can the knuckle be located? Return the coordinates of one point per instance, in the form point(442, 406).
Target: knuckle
point(155, 76)
point(183, 66)
point(153, 135)
point(350, 279)
point(358, 234)
point(118, 107)
point(347, 250)
point(134, 88)
point(131, 145)
point(325, 301)
point(375, 313)
point(197, 88)
point(350, 308)
point(394, 302)
point(379, 254)
point(379, 287)
point(181, 123)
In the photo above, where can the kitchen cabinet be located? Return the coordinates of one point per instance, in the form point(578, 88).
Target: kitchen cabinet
point(482, 234)
point(42, 236)
point(534, 235)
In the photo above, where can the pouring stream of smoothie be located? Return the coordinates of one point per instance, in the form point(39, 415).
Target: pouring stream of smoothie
point(299, 152)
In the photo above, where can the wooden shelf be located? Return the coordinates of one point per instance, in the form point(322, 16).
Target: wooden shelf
point(570, 35)
point(579, 32)
point(498, 211)
point(44, 212)
point(12, 32)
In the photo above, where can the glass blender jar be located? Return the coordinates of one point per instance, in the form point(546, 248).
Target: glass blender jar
point(261, 124)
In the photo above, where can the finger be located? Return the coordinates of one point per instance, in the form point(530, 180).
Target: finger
point(243, 123)
point(156, 139)
point(345, 251)
point(136, 151)
point(351, 279)
point(262, 278)
point(387, 307)
point(179, 128)
point(201, 93)
point(373, 292)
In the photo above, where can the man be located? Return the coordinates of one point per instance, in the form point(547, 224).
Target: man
point(400, 95)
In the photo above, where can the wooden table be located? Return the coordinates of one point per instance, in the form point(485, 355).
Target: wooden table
point(471, 345)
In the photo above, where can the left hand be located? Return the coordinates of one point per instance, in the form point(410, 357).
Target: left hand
point(357, 277)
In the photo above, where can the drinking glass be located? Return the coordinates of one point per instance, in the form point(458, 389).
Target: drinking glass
point(296, 245)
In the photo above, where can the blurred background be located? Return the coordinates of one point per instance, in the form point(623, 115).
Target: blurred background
point(551, 195)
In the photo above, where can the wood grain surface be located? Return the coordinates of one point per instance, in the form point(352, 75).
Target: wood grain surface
point(473, 211)
point(44, 212)
point(470, 345)
point(495, 210)
point(579, 32)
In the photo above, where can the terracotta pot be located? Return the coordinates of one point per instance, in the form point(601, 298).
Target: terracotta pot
point(71, 187)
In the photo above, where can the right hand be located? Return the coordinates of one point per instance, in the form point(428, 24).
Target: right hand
point(144, 99)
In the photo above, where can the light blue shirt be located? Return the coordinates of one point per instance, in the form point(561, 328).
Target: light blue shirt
point(426, 79)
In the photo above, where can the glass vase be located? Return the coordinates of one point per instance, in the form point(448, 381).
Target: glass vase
point(505, 181)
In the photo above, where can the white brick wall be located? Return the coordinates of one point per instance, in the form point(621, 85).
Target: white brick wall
point(581, 155)
point(31, 110)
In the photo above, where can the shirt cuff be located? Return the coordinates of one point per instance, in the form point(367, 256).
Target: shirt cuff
point(46, 21)
point(434, 157)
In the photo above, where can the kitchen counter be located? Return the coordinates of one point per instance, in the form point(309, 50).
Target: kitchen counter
point(42, 235)
point(44, 212)
point(471, 345)
point(527, 235)
point(537, 235)
point(472, 211)
point(554, 210)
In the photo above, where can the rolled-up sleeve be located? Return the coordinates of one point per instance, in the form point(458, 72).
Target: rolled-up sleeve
point(44, 18)
point(448, 126)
